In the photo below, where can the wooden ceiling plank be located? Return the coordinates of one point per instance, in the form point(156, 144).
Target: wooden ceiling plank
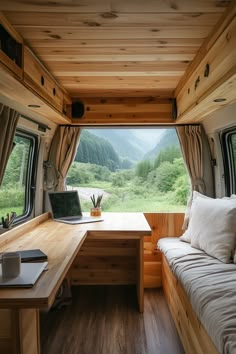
point(168, 6)
point(113, 6)
point(221, 59)
point(71, 69)
point(146, 100)
point(148, 43)
point(118, 93)
point(95, 74)
point(64, 52)
point(116, 57)
point(112, 33)
point(100, 19)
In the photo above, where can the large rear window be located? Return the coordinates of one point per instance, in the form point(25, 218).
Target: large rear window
point(135, 170)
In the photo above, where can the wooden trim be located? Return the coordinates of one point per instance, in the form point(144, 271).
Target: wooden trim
point(192, 333)
point(140, 274)
point(18, 231)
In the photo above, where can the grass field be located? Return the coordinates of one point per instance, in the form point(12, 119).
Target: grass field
point(129, 199)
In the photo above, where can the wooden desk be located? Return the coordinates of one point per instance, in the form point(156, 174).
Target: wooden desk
point(19, 319)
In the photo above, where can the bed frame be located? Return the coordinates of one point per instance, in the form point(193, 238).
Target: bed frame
point(193, 335)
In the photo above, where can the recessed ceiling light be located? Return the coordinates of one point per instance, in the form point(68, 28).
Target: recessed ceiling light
point(33, 106)
point(220, 100)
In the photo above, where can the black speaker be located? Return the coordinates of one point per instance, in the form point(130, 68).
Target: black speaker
point(174, 109)
point(77, 109)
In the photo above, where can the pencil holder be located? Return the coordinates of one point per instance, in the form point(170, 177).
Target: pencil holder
point(96, 211)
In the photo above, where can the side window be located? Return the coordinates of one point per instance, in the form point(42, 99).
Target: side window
point(17, 192)
point(233, 141)
point(228, 139)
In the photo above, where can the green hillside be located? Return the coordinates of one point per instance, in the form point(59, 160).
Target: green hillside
point(95, 150)
point(125, 143)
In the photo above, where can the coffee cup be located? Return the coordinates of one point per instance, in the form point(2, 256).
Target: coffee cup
point(11, 264)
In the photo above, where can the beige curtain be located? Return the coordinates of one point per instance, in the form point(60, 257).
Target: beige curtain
point(8, 121)
point(196, 154)
point(61, 156)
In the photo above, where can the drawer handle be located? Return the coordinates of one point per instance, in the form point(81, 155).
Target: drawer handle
point(54, 91)
point(42, 80)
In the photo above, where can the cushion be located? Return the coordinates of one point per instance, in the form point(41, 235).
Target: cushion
point(187, 235)
point(213, 227)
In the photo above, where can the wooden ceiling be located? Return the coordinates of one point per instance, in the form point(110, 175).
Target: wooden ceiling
point(102, 48)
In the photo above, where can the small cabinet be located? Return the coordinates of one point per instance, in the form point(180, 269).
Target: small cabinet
point(37, 78)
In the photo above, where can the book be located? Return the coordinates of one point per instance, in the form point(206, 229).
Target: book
point(29, 274)
point(35, 255)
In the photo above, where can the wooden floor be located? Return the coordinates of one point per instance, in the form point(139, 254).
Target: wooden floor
point(105, 320)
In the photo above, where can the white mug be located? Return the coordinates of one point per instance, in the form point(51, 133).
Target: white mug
point(11, 264)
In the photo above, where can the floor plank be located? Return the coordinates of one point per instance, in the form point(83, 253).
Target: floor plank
point(105, 320)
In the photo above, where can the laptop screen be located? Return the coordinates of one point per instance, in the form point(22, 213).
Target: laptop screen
point(65, 204)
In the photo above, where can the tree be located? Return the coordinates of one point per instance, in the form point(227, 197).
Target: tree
point(143, 168)
point(169, 154)
point(182, 189)
point(164, 177)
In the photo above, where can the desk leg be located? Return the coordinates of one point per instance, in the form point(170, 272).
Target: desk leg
point(26, 331)
point(140, 272)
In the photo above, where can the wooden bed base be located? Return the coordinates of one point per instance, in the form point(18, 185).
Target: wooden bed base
point(193, 335)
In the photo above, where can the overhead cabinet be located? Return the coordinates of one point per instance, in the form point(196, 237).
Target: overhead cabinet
point(38, 79)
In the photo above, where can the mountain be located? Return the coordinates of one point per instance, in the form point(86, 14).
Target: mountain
point(95, 150)
point(169, 138)
point(130, 143)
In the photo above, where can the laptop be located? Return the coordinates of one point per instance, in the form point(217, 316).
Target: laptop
point(66, 208)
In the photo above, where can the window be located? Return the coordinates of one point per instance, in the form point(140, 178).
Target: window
point(135, 170)
point(17, 189)
point(228, 139)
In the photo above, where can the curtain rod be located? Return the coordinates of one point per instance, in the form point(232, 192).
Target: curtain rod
point(41, 127)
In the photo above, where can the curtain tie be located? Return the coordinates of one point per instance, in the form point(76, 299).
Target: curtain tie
point(199, 185)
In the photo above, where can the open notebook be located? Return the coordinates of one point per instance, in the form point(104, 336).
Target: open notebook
point(30, 272)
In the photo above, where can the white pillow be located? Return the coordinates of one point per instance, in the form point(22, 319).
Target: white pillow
point(213, 227)
point(187, 234)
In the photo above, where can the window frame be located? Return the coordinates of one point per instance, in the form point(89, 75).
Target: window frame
point(228, 160)
point(30, 181)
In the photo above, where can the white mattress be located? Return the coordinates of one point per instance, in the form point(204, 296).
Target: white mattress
point(211, 288)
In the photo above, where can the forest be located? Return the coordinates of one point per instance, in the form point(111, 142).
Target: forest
point(159, 185)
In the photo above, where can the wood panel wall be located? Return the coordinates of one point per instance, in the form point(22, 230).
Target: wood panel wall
point(192, 333)
point(113, 262)
point(105, 262)
point(162, 225)
point(6, 332)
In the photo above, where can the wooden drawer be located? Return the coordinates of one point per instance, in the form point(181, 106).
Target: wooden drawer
point(37, 78)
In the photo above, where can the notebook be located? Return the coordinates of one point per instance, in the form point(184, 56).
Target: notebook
point(66, 208)
point(29, 274)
